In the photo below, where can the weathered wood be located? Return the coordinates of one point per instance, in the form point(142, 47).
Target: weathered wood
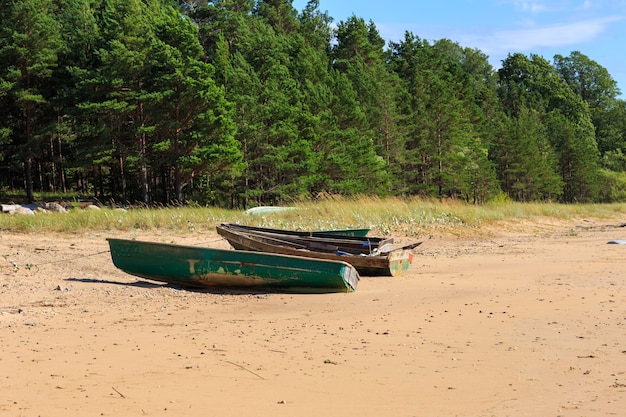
point(389, 263)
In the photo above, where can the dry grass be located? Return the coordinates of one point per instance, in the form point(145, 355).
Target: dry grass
point(410, 217)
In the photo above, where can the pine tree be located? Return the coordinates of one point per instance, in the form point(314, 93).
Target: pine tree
point(527, 164)
point(445, 153)
point(535, 84)
point(194, 134)
point(594, 85)
point(29, 48)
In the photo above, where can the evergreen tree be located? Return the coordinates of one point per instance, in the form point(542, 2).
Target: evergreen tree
point(79, 32)
point(268, 101)
point(445, 154)
point(578, 155)
point(346, 159)
point(358, 54)
point(241, 102)
point(527, 165)
point(118, 95)
point(194, 134)
point(29, 47)
point(534, 83)
point(279, 14)
point(594, 85)
point(154, 112)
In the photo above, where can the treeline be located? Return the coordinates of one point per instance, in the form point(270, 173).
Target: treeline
point(246, 102)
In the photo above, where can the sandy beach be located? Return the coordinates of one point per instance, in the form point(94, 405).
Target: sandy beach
point(527, 320)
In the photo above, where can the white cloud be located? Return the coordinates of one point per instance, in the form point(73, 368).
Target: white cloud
point(587, 4)
point(533, 38)
point(530, 6)
point(551, 6)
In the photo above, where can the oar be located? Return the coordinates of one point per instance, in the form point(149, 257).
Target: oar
point(407, 247)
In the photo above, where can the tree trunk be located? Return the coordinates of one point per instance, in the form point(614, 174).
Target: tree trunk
point(143, 169)
point(28, 159)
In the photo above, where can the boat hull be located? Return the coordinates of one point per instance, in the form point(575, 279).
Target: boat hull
point(320, 241)
point(392, 263)
point(204, 267)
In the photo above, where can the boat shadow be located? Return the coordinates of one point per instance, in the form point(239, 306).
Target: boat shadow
point(202, 290)
point(139, 284)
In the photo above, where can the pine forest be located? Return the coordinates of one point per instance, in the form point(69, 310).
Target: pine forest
point(239, 103)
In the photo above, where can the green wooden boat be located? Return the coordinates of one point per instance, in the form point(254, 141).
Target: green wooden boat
point(206, 267)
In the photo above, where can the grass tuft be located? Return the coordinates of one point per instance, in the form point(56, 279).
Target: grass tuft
point(410, 217)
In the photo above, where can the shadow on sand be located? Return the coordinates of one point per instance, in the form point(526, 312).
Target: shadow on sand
point(216, 290)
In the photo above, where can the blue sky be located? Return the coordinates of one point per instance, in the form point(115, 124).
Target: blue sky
point(596, 28)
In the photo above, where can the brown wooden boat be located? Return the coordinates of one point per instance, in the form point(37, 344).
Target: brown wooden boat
point(380, 260)
point(326, 241)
